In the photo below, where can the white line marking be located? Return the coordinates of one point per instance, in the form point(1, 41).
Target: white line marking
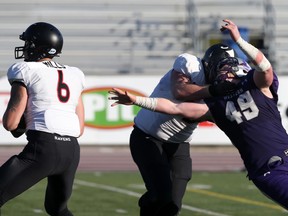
point(134, 194)
point(204, 211)
point(107, 187)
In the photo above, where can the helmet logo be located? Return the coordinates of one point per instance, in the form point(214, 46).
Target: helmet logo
point(224, 47)
point(52, 51)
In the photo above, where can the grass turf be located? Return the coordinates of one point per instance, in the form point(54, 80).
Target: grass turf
point(117, 193)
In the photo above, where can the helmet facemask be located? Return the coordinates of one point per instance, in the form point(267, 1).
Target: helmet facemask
point(19, 52)
point(231, 65)
point(28, 52)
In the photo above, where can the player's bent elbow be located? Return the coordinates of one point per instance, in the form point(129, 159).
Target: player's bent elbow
point(9, 127)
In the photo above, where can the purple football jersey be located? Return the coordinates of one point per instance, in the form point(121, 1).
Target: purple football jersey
point(252, 122)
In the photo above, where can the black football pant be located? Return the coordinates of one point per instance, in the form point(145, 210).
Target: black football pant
point(46, 155)
point(165, 168)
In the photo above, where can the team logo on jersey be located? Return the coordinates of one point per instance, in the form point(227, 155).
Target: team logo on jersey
point(99, 113)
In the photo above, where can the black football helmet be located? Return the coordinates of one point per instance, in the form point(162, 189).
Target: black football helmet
point(42, 40)
point(212, 56)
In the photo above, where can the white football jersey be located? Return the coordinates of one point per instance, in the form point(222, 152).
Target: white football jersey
point(53, 94)
point(170, 128)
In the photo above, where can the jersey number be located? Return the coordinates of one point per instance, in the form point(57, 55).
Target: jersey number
point(63, 91)
point(248, 108)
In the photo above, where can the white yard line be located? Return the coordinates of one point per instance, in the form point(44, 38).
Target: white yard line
point(134, 194)
point(204, 211)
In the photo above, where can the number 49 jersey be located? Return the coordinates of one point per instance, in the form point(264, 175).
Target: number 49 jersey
point(53, 94)
point(252, 122)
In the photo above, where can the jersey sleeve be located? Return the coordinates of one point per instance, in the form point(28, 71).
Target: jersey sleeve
point(81, 77)
point(274, 87)
point(16, 73)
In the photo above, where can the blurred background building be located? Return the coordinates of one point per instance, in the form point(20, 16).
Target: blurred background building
point(107, 37)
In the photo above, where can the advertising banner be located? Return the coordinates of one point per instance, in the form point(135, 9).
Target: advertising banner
point(106, 125)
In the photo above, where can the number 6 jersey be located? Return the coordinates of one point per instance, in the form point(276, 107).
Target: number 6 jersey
point(53, 94)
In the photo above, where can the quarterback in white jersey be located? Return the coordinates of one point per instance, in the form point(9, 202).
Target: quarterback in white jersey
point(46, 104)
point(54, 91)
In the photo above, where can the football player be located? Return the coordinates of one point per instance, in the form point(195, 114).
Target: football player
point(46, 104)
point(249, 115)
point(160, 143)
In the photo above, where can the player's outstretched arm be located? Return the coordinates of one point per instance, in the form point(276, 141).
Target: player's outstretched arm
point(121, 97)
point(190, 110)
point(264, 72)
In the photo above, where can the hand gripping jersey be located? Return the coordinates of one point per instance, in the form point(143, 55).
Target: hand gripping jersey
point(253, 123)
point(53, 94)
point(171, 128)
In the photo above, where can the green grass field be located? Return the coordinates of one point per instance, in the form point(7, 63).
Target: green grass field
point(116, 194)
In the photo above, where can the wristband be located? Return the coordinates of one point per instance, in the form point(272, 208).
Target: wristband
point(252, 53)
point(264, 65)
point(146, 102)
point(247, 48)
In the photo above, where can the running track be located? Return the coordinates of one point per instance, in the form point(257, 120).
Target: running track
point(118, 158)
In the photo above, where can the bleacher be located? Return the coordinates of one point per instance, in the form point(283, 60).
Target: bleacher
point(107, 37)
point(281, 36)
point(102, 37)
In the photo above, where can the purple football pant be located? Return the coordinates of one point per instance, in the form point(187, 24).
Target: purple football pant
point(274, 184)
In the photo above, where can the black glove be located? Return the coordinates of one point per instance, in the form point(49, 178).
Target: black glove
point(222, 89)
